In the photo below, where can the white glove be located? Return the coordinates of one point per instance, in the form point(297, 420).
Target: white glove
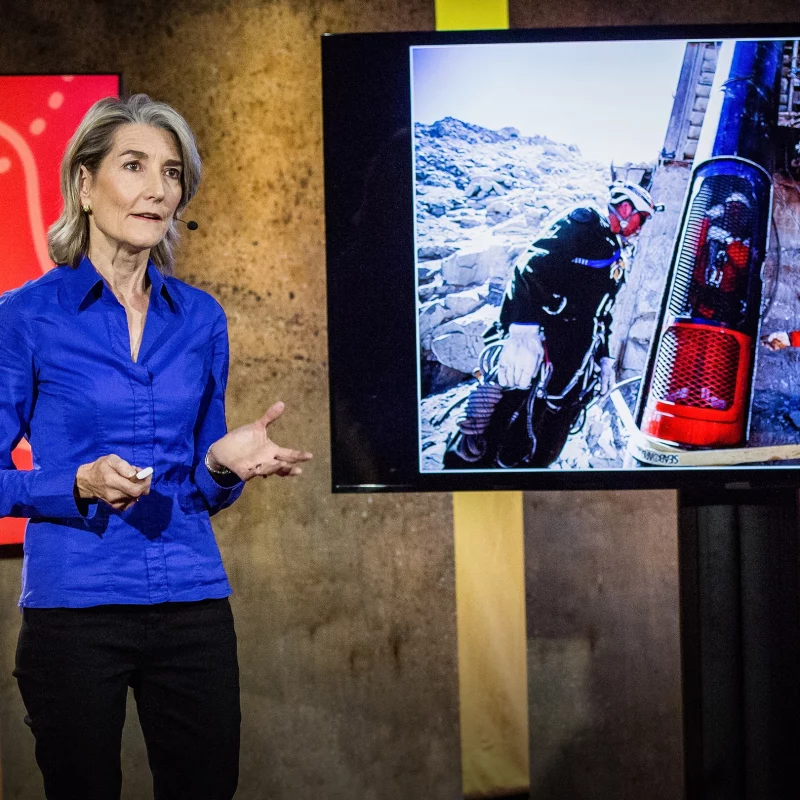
point(520, 357)
point(607, 374)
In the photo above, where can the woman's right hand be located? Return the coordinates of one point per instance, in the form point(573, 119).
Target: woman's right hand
point(111, 480)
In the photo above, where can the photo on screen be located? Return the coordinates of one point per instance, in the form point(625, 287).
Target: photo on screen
point(607, 240)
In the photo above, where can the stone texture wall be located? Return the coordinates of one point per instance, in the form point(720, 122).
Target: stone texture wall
point(345, 605)
point(639, 303)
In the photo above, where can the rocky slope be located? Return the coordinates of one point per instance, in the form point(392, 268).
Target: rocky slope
point(482, 196)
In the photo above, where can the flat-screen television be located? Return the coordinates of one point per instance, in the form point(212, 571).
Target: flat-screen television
point(564, 258)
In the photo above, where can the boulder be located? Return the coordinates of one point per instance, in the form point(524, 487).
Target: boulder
point(431, 315)
point(498, 211)
point(437, 180)
point(465, 268)
point(437, 378)
point(482, 187)
point(458, 344)
point(431, 290)
point(517, 225)
point(475, 265)
point(428, 271)
point(441, 309)
point(534, 217)
point(462, 303)
point(432, 252)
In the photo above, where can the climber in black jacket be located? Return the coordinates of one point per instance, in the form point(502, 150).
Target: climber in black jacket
point(557, 312)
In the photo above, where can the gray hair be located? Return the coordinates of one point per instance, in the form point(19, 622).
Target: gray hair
point(68, 237)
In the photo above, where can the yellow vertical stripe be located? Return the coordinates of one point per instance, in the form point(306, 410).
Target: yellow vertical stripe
point(471, 15)
point(492, 642)
point(490, 583)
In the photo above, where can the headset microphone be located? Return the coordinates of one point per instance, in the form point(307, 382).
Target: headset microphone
point(190, 224)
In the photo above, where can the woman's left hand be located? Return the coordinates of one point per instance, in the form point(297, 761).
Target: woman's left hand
point(248, 451)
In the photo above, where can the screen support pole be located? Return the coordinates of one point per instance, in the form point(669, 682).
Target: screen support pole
point(739, 562)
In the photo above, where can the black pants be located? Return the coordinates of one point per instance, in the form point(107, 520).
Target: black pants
point(74, 667)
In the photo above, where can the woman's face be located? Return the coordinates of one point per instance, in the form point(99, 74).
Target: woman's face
point(135, 191)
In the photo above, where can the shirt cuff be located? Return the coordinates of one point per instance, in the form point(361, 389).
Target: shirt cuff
point(216, 493)
point(52, 495)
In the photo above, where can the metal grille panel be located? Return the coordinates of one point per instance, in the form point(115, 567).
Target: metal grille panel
point(710, 211)
point(697, 367)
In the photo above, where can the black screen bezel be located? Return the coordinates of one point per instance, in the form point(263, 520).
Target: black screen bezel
point(368, 152)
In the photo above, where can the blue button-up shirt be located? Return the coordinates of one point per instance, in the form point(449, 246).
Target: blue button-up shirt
point(68, 384)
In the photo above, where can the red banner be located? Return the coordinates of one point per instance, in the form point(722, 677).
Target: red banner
point(38, 114)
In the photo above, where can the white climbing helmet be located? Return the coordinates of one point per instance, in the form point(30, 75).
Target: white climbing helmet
point(638, 197)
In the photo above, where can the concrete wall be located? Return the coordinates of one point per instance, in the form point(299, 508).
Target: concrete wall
point(603, 657)
point(345, 605)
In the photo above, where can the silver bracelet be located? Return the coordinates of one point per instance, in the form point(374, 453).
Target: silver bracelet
point(220, 472)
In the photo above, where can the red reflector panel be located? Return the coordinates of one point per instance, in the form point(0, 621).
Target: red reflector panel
point(698, 396)
point(697, 367)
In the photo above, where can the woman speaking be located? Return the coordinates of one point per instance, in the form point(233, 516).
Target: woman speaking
point(115, 372)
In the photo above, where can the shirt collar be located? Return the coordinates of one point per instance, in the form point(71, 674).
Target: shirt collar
point(85, 280)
